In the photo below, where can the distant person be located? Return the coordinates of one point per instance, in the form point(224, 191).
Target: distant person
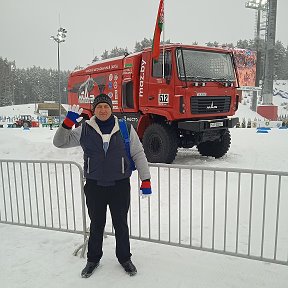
point(107, 168)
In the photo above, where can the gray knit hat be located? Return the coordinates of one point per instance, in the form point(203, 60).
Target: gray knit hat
point(102, 98)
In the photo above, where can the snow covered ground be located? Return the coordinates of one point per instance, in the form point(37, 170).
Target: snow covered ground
point(32, 258)
point(36, 258)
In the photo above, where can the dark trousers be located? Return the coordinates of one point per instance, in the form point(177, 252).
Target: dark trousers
point(117, 197)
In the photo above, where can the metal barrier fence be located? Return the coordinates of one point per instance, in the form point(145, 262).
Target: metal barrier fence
point(43, 194)
point(236, 212)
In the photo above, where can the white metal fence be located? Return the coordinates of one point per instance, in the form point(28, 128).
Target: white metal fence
point(229, 211)
point(43, 194)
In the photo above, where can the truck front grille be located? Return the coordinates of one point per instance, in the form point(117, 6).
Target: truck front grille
point(210, 105)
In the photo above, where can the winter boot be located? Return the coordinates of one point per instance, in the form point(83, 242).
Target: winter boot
point(129, 268)
point(89, 269)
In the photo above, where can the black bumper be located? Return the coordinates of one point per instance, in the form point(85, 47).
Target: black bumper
point(208, 125)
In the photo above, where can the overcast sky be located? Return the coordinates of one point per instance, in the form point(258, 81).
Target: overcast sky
point(93, 26)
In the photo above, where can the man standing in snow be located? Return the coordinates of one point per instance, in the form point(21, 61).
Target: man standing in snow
point(107, 171)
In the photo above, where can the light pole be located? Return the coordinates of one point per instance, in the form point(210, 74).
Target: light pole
point(259, 5)
point(51, 84)
point(267, 88)
point(13, 68)
point(60, 37)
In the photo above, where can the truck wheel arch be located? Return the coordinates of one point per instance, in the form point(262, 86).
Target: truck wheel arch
point(146, 120)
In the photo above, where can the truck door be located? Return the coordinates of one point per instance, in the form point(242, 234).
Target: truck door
point(161, 85)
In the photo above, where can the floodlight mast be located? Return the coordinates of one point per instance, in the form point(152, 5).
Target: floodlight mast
point(267, 87)
point(260, 6)
point(59, 38)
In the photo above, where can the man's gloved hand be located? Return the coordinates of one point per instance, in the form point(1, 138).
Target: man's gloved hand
point(145, 188)
point(73, 116)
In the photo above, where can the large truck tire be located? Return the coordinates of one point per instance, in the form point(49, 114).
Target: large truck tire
point(217, 148)
point(160, 143)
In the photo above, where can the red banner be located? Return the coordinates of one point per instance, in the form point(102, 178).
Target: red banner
point(157, 31)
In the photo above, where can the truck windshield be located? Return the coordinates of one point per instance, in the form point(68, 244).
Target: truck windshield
point(204, 65)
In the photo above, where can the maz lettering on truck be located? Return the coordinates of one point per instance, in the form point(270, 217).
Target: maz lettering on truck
point(142, 75)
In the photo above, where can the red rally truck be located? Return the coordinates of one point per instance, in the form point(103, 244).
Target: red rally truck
point(185, 99)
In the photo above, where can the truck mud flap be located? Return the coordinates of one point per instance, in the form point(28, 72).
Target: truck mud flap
point(206, 125)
